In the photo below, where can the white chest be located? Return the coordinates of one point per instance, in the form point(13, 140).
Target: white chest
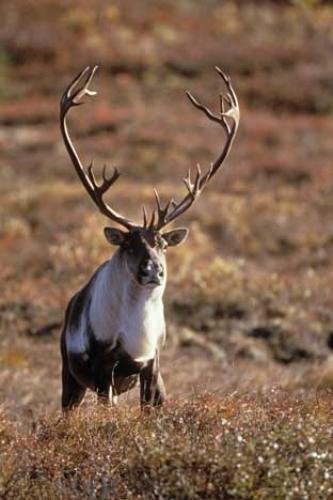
point(142, 331)
point(135, 317)
point(139, 329)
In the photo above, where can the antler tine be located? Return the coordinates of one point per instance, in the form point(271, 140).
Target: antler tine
point(108, 181)
point(203, 108)
point(152, 220)
point(85, 88)
point(188, 182)
point(157, 198)
point(223, 75)
point(144, 216)
point(222, 113)
point(197, 178)
point(227, 81)
point(230, 129)
point(75, 91)
point(104, 173)
point(162, 212)
point(91, 174)
point(76, 80)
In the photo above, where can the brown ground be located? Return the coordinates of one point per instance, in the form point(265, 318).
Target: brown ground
point(249, 298)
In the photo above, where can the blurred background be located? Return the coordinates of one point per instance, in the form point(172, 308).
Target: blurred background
point(249, 297)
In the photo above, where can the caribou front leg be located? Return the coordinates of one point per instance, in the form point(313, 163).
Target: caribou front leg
point(152, 390)
point(72, 391)
point(106, 395)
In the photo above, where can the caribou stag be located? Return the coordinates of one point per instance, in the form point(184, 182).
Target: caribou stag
point(114, 326)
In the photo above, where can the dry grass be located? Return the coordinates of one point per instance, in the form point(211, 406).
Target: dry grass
point(254, 445)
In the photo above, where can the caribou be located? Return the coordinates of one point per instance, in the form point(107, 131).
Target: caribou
point(114, 326)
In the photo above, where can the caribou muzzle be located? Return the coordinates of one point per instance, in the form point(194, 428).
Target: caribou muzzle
point(151, 272)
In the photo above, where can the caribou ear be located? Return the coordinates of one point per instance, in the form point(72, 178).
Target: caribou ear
point(114, 236)
point(176, 236)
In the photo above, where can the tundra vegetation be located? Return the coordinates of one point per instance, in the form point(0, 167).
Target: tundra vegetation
point(248, 360)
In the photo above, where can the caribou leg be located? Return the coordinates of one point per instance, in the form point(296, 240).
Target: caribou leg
point(152, 390)
point(72, 391)
point(103, 395)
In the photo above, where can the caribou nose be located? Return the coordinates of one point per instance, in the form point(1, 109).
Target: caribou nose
point(147, 267)
point(151, 271)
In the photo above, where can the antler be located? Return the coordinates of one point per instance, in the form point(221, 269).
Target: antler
point(172, 210)
point(72, 96)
